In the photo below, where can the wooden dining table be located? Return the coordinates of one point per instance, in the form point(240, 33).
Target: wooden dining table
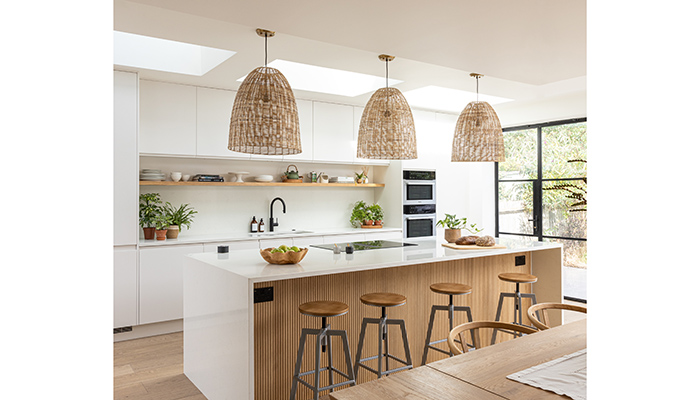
point(480, 374)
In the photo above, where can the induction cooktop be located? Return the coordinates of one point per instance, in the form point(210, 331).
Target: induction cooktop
point(365, 245)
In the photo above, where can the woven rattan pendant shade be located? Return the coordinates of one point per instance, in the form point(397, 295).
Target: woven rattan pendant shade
point(478, 134)
point(386, 129)
point(264, 119)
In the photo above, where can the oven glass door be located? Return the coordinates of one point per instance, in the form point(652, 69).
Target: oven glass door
point(416, 193)
point(419, 226)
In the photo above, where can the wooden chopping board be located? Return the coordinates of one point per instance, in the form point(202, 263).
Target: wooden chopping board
point(473, 246)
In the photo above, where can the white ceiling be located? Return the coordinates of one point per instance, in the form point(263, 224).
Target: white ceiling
point(526, 49)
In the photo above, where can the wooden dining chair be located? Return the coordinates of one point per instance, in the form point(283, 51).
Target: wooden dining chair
point(542, 309)
point(457, 334)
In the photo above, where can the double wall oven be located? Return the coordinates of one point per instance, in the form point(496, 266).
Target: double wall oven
point(419, 203)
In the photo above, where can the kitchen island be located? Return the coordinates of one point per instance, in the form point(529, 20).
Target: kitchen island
point(241, 319)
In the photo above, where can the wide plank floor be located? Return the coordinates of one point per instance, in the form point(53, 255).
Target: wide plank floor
point(151, 369)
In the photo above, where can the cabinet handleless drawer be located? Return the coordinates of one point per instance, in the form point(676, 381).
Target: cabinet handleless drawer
point(160, 287)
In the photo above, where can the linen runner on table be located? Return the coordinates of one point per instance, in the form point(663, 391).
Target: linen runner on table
point(565, 375)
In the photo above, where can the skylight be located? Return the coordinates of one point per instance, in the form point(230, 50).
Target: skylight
point(146, 52)
point(445, 99)
point(328, 80)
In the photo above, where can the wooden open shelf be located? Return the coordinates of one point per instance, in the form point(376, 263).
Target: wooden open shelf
point(249, 184)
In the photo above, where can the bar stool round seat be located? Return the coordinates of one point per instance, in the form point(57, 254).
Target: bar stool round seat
point(324, 308)
point(450, 289)
point(383, 356)
point(383, 299)
point(457, 289)
point(516, 277)
point(323, 344)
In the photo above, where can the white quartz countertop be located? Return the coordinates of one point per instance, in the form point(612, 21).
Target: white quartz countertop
point(249, 263)
point(240, 236)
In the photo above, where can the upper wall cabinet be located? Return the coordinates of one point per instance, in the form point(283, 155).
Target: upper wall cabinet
point(306, 129)
point(168, 118)
point(333, 137)
point(213, 122)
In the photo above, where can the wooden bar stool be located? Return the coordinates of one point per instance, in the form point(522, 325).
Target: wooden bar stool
point(517, 278)
point(450, 289)
point(383, 300)
point(323, 309)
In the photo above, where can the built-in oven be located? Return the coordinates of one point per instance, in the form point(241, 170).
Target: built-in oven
point(419, 220)
point(418, 187)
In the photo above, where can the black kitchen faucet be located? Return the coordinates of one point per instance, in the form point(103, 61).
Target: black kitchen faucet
point(273, 221)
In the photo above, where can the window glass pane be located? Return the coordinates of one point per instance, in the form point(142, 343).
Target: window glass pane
point(575, 255)
point(521, 155)
point(561, 209)
point(560, 144)
point(515, 207)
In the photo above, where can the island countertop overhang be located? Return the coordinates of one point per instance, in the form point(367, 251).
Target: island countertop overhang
point(249, 264)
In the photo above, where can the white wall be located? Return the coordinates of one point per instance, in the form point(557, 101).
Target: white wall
point(225, 209)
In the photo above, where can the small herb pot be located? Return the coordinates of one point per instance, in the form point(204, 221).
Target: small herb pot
point(161, 234)
point(149, 233)
point(172, 232)
point(451, 235)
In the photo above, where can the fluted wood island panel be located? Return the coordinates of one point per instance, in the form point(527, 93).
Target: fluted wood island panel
point(228, 345)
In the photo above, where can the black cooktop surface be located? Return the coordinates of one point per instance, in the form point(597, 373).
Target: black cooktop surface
point(365, 245)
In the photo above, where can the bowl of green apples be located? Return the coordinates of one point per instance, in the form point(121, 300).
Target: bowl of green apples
point(283, 254)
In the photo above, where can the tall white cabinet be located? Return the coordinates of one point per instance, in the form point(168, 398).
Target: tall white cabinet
point(126, 192)
point(168, 118)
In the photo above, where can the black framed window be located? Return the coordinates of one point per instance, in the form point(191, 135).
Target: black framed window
point(540, 192)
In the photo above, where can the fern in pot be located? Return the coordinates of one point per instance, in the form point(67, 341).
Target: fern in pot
point(177, 217)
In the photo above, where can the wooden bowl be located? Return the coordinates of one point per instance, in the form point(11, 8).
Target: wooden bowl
point(290, 257)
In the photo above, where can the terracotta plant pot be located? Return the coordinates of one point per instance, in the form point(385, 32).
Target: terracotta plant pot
point(161, 234)
point(149, 233)
point(451, 235)
point(173, 231)
point(368, 222)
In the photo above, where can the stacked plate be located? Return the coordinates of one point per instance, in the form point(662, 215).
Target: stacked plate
point(152, 175)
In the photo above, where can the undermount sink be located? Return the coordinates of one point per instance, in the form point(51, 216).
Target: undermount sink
point(281, 233)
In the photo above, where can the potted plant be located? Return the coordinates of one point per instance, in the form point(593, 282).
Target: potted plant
point(149, 208)
point(161, 224)
point(360, 177)
point(376, 213)
point(177, 217)
point(360, 214)
point(453, 227)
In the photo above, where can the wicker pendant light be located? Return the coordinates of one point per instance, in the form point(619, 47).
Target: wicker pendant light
point(478, 135)
point(387, 131)
point(264, 119)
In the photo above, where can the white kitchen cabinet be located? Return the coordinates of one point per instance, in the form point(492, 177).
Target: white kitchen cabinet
point(126, 290)
point(333, 137)
point(306, 130)
point(341, 240)
point(357, 117)
point(213, 122)
point(126, 158)
point(160, 288)
point(167, 119)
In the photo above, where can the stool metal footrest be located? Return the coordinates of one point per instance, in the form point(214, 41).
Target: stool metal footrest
point(517, 311)
point(450, 314)
point(383, 353)
point(323, 339)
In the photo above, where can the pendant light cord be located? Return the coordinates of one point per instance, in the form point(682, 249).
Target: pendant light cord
point(266, 51)
point(477, 89)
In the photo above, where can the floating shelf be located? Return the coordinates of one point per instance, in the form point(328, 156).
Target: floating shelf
point(249, 184)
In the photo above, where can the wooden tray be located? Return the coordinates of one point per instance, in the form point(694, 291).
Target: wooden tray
point(300, 180)
point(473, 246)
point(371, 226)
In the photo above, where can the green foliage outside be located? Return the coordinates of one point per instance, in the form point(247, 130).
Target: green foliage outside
point(561, 144)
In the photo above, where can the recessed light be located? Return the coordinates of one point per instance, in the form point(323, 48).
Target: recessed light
point(446, 99)
point(313, 78)
point(147, 52)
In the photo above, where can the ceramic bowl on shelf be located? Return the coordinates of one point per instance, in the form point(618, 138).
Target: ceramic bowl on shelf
point(264, 178)
point(185, 178)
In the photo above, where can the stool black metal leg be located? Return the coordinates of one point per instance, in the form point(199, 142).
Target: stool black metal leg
point(348, 362)
point(317, 373)
point(360, 343)
point(297, 367)
point(330, 361)
point(427, 336)
point(498, 315)
point(405, 343)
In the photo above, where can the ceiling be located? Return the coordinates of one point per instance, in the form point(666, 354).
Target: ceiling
point(526, 49)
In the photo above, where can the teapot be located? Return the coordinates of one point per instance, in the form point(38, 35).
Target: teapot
point(294, 174)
